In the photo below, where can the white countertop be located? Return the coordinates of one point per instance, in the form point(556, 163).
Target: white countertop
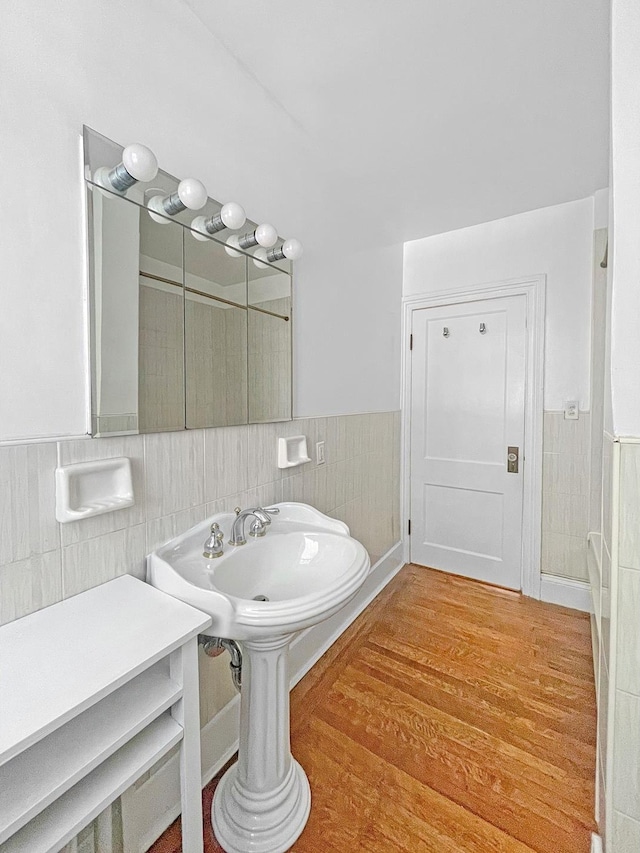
point(59, 661)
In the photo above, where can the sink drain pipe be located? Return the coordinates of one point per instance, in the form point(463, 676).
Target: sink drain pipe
point(215, 646)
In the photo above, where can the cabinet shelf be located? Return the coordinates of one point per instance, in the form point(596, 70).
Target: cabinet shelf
point(96, 642)
point(61, 821)
point(41, 774)
point(115, 691)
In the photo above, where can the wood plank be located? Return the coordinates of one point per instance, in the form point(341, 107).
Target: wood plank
point(386, 809)
point(503, 786)
point(476, 708)
point(478, 704)
point(565, 707)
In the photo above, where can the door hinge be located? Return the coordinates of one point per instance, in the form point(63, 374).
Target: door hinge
point(410, 341)
point(409, 527)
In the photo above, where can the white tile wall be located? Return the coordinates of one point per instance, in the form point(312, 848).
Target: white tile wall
point(605, 601)
point(626, 761)
point(95, 561)
point(179, 479)
point(628, 669)
point(629, 543)
point(565, 495)
point(620, 752)
point(174, 471)
point(28, 585)
point(626, 833)
point(226, 461)
point(27, 502)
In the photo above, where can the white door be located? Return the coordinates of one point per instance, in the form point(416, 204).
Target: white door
point(467, 418)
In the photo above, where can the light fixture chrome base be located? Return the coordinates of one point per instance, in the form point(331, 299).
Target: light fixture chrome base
point(203, 228)
point(276, 255)
point(162, 207)
point(248, 241)
point(116, 180)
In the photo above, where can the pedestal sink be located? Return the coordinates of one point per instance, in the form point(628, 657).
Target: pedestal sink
point(307, 567)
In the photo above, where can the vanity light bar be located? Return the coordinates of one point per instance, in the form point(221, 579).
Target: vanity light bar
point(139, 163)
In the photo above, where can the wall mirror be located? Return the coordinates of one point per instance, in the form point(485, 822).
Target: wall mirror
point(185, 334)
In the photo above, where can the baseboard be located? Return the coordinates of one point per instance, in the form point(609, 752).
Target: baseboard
point(154, 803)
point(568, 593)
point(596, 844)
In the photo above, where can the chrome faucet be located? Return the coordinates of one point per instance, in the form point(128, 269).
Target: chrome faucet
point(258, 526)
point(213, 546)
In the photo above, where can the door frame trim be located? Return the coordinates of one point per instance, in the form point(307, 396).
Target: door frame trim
point(533, 287)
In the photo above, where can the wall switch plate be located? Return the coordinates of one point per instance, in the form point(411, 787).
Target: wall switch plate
point(571, 412)
point(320, 453)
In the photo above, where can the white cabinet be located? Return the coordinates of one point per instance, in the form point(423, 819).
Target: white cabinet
point(93, 691)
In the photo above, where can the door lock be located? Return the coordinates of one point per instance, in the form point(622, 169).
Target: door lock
point(513, 454)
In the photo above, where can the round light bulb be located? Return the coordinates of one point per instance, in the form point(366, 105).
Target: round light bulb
point(292, 249)
point(231, 246)
point(192, 193)
point(259, 256)
point(233, 215)
point(140, 162)
point(266, 235)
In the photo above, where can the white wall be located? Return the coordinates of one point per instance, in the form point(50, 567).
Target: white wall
point(625, 181)
point(152, 73)
point(556, 241)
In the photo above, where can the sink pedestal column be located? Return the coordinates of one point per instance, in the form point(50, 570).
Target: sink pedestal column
point(262, 802)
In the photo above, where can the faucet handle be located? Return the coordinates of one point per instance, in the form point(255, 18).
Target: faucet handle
point(267, 511)
point(213, 546)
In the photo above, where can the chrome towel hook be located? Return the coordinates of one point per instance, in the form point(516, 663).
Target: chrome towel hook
point(445, 332)
point(483, 328)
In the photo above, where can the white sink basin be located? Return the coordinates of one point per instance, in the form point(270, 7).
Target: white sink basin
point(307, 566)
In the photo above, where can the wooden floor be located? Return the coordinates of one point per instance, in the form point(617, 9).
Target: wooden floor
point(451, 717)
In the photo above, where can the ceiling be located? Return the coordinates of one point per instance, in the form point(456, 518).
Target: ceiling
point(430, 115)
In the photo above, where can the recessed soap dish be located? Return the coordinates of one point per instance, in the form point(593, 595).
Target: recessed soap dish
point(93, 488)
point(292, 451)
